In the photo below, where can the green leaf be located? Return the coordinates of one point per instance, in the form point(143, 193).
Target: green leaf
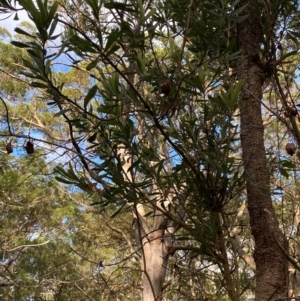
point(123, 203)
point(68, 174)
point(62, 180)
point(141, 62)
point(113, 49)
point(53, 26)
point(42, 9)
point(34, 14)
point(54, 37)
point(92, 64)
point(284, 172)
point(99, 35)
point(83, 44)
point(92, 138)
point(235, 91)
point(120, 6)
point(23, 32)
point(95, 7)
point(294, 52)
point(150, 14)
point(71, 172)
point(287, 164)
point(150, 213)
point(112, 38)
point(20, 44)
point(53, 10)
point(32, 75)
point(92, 92)
point(39, 85)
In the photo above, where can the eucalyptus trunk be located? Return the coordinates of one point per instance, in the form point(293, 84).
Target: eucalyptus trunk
point(271, 265)
point(154, 264)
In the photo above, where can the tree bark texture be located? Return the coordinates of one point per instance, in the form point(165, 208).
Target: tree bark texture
point(271, 265)
point(154, 263)
point(152, 243)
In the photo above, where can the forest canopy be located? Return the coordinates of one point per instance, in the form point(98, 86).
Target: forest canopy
point(150, 150)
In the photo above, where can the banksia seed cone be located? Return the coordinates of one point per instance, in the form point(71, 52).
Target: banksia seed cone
point(165, 88)
point(294, 112)
point(290, 112)
point(290, 148)
point(29, 147)
point(9, 148)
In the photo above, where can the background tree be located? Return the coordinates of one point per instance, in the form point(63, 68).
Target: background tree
point(154, 131)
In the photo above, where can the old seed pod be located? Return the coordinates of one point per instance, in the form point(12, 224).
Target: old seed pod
point(29, 147)
point(293, 111)
point(290, 148)
point(9, 148)
point(165, 88)
point(290, 112)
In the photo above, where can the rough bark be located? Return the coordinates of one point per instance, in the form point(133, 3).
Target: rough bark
point(271, 265)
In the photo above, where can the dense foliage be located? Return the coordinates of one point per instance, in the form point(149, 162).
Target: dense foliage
point(137, 176)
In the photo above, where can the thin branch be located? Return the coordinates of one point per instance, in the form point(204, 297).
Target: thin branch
point(25, 246)
point(7, 116)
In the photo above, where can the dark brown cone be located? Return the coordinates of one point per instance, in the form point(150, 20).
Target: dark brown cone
point(290, 148)
point(29, 147)
point(9, 148)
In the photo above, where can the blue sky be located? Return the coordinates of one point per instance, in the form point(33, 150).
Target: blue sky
point(10, 24)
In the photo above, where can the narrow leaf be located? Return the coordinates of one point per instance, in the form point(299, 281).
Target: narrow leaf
point(90, 95)
point(119, 209)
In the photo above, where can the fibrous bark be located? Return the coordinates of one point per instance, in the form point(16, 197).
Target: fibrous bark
point(271, 265)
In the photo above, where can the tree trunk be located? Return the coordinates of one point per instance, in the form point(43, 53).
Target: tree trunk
point(152, 243)
point(271, 265)
point(154, 262)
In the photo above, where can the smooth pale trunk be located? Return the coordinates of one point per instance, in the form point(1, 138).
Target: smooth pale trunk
point(154, 265)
